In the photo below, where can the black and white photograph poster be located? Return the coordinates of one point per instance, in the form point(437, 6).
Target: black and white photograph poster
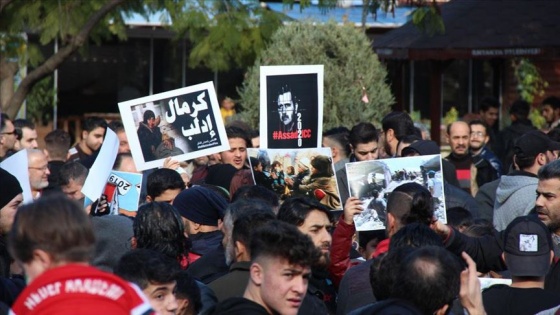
point(373, 182)
point(291, 106)
point(297, 172)
point(183, 124)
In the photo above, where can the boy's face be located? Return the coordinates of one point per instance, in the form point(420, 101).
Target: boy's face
point(162, 297)
point(168, 195)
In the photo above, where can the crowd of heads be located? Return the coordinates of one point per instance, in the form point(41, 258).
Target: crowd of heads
point(215, 217)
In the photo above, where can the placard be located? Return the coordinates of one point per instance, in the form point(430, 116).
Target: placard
point(373, 181)
point(297, 172)
point(183, 124)
point(291, 106)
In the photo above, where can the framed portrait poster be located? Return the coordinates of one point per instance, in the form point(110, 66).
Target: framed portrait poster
point(291, 106)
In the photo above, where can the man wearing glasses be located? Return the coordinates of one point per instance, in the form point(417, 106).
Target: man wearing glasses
point(38, 166)
point(477, 143)
point(7, 136)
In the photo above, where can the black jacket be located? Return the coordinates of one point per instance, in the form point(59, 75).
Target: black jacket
point(239, 306)
point(486, 251)
point(504, 146)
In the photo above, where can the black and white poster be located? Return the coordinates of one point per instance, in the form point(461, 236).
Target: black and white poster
point(291, 109)
point(183, 124)
point(373, 181)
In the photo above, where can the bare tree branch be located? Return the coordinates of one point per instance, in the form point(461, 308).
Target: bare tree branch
point(57, 59)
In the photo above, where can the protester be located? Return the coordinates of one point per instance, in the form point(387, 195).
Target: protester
point(337, 139)
point(489, 113)
point(472, 172)
point(187, 293)
point(528, 253)
point(54, 240)
point(520, 124)
point(239, 141)
point(92, 136)
point(158, 226)
point(57, 144)
point(281, 260)
point(516, 191)
point(26, 134)
point(396, 125)
point(550, 109)
point(38, 166)
point(408, 203)
point(155, 274)
point(118, 128)
point(315, 220)
point(11, 281)
point(486, 251)
point(164, 185)
point(234, 283)
point(364, 146)
point(8, 136)
point(478, 146)
point(201, 209)
point(429, 271)
point(217, 262)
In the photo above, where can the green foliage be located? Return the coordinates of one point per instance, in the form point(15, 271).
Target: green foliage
point(224, 33)
point(529, 81)
point(536, 118)
point(428, 19)
point(40, 100)
point(451, 116)
point(350, 65)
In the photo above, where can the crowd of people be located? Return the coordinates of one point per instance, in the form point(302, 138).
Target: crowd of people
point(206, 240)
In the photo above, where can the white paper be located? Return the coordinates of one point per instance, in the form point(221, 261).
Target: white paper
point(99, 172)
point(17, 165)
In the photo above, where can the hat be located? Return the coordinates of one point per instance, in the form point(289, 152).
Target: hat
point(422, 147)
point(322, 163)
point(200, 205)
point(532, 143)
point(10, 187)
point(527, 246)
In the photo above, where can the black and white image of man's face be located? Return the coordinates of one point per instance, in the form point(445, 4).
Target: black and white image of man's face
point(286, 109)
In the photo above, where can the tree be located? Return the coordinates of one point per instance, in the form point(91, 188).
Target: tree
point(225, 33)
point(351, 69)
point(72, 22)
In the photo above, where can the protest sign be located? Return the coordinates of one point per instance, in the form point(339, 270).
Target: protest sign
point(291, 106)
point(373, 181)
point(297, 172)
point(183, 124)
point(125, 187)
point(101, 168)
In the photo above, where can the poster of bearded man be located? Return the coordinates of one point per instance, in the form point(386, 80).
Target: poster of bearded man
point(291, 106)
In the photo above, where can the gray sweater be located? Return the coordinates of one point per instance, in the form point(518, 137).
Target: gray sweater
point(515, 197)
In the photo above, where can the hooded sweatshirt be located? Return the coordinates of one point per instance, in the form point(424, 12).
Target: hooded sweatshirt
point(515, 197)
